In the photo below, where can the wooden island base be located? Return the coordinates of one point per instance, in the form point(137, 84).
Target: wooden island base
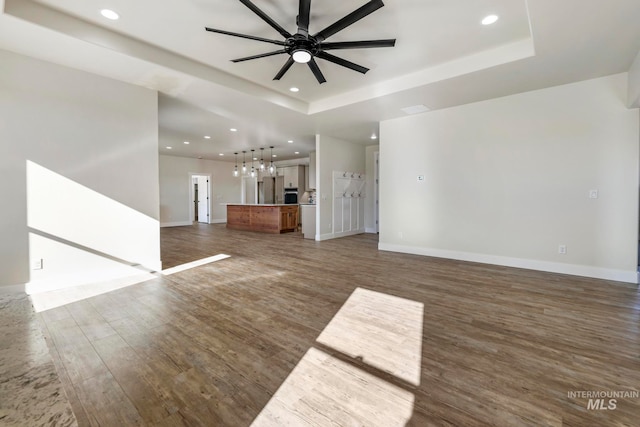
point(263, 218)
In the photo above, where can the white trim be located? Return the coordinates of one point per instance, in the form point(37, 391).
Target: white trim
point(12, 289)
point(531, 264)
point(192, 195)
point(330, 236)
point(218, 221)
point(176, 224)
point(376, 192)
point(370, 230)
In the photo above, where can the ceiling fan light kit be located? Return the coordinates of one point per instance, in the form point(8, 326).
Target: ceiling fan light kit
point(304, 48)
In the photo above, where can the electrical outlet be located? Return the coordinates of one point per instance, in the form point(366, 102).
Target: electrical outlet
point(38, 264)
point(562, 249)
point(593, 194)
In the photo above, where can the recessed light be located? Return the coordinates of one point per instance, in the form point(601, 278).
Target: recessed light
point(221, 154)
point(374, 136)
point(415, 109)
point(233, 130)
point(296, 152)
point(169, 148)
point(290, 141)
point(274, 155)
point(109, 14)
point(294, 89)
point(207, 137)
point(489, 19)
point(186, 142)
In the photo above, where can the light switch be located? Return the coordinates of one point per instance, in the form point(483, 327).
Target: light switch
point(593, 194)
point(420, 178)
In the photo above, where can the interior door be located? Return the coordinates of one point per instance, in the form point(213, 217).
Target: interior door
point(203, 199)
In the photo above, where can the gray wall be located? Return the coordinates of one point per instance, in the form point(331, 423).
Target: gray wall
point(507, 181)
point(175, 200)
point(93, 136)
point(333, 154)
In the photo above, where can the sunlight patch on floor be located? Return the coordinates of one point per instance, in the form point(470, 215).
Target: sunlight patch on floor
point(52, 299)
point(380, 330)
point(323, 390)
point(43, 301)
point(193, 264)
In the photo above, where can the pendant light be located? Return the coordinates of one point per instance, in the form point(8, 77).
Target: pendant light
point(235, 170)
point(272, 168)
point(244, 164)
point(253, 170)
point(262, 159)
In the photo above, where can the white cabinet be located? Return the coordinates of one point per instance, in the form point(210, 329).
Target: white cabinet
point(293, 176)
point(290, 177)
point(308, 221)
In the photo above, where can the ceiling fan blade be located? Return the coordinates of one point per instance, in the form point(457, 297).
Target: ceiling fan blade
point(354, 16)
point(262, 55)
point(245, 36)
point(331, 58)
point(266, 18)
point(359, 44)
point(316, 71)
point(303, 17)
point(284, 68)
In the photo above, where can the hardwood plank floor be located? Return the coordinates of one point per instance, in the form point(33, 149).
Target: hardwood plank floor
point(288, 331)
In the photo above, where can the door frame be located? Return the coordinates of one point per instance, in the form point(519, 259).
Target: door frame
point(376, 191)
point(192, 195)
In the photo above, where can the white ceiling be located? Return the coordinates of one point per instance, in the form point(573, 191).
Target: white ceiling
point(443, 57)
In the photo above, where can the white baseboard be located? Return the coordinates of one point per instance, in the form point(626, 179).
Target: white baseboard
point(329, 236)
point(176, 224)
point(530, 264)
point(218, 221)
point(12, 289)
point(370, 230)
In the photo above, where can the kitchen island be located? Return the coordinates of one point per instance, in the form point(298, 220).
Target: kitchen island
point(266, 218)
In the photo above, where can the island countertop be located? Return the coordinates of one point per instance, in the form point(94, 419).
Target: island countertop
point(258, 204)
point(267, 218)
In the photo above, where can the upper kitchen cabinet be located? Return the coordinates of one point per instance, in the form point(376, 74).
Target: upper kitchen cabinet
point(293, 176)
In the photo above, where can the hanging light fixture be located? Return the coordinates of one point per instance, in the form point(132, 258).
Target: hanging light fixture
point(235, 170)
point(244, 164)
point(272, 168)
point(262, 159)
point(253, 170)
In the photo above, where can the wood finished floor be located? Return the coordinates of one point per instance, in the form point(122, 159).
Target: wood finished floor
point(236, 342)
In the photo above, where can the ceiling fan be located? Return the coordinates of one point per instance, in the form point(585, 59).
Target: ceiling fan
point(303, 47)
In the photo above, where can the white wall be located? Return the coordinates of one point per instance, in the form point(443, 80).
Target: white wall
point(333, 155)
point(89, 142)
point(507, 181)
point(175, 199)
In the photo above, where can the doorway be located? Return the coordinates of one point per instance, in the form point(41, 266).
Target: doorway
point(200, 192)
